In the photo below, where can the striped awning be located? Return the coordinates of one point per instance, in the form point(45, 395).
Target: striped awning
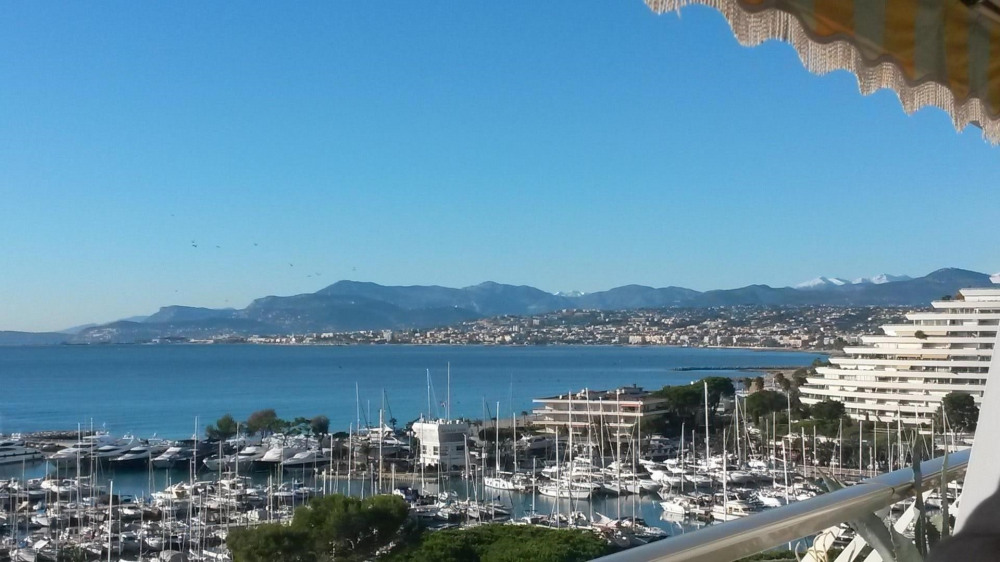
point(941, 53)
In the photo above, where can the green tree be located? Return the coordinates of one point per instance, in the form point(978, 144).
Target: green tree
point(961, 409)
point(827, 410)
point(757, 384)
point(717, 388)
point(683, 402)
point(505, 543)
point(272, 541)
point(264, 420)
point(782, 381)
point(224, 428)
point(320, 425)
point(346, 528)
point(765, 402)
point(299, 425)
point(824, 452)
point(333, 527)
point(799, 377)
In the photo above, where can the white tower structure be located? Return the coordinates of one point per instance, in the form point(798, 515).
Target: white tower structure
point(905, 372)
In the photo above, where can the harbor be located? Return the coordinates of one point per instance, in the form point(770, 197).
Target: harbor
point(105, 497)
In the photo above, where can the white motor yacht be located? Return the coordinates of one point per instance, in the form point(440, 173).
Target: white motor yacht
point(245, 459)
point(279, 454)
point(134, 457)
point(216, 463)
point(534, 442)
point(729, 511)
point(80, 450)
point(14, 452)
point(678, 505)
point(306, 460)
point(173, 456)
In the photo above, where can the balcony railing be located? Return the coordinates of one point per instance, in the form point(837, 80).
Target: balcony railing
point(775, 527)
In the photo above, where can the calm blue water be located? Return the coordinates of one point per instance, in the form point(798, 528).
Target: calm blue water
point(161, 389)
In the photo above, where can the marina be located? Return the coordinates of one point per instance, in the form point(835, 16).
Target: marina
point(580, 459)
point(124, 498)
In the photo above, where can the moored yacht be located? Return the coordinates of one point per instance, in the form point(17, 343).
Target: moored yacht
point(138, 456)
point(113, 450)
point(14, 452)
point(245, 459)
point(81, 450)
point(173, 456)
point(279, 454)
point(563, 489)
point(306, 460)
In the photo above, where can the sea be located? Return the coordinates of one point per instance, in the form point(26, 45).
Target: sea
point(174, 391)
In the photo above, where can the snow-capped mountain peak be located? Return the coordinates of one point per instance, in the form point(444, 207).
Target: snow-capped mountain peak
point(831, 282)
point(822, 283)
point(995, 278)
point(880, 279)
point(569, 293)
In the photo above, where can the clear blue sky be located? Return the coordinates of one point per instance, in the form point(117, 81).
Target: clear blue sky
point(565, 145)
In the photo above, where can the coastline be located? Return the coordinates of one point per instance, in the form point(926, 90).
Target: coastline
point(819, 351)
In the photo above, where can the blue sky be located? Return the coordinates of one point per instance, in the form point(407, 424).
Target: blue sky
point(569, 146)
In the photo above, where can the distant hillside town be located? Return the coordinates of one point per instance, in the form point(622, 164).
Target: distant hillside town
point(801, 327)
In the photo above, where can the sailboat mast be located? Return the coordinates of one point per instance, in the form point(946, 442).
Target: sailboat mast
point(569, 485)
point(707, 453)
point(447, 405)
point(380, 440)
point(725, 477)
point(736, 402)
point(513, 418)
point(497, 473)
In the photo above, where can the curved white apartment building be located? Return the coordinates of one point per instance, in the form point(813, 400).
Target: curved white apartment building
point(907, 371)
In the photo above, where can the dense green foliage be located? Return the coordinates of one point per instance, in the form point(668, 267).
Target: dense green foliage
point(320, 425)
point(684, 403)
point(271, 541)
point(827, 410)
point(263, 420)
point(332, 527)
point(267, 421)
point(764, 403)
point(505, 543)
point(961, 409)
point(718, 387)
point(224, 428)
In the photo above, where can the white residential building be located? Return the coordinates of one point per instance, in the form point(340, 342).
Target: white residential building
point(905, 372)
point(617, 409)
point(442, 443)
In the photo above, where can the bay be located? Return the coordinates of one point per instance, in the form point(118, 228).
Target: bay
point(160, 389)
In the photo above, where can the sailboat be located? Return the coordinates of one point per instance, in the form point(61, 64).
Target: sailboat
point(563, 486)
point(511, 481)
point(499, 480)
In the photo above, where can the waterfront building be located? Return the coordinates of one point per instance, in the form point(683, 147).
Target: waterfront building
point(905, 372)
point(617, 409)
point(442, 443)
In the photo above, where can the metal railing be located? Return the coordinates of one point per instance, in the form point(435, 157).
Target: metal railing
point(750, 535)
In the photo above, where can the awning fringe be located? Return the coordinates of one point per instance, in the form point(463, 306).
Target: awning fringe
point(752, 28)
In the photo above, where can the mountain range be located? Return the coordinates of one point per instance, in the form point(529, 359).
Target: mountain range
point(829, 282)
point(354, 305)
